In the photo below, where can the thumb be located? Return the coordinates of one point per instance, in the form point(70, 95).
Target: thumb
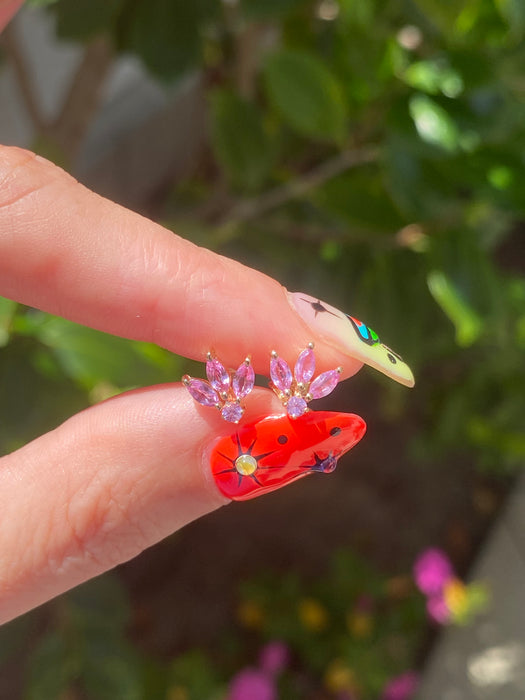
point(125, 473)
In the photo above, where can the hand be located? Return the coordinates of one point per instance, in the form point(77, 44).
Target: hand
point(122, 475)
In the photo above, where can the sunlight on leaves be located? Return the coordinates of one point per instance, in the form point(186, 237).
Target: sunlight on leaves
point(500, 177)
point(433, 123)
point(468, 324)
point(7, 311)
point(434, 76)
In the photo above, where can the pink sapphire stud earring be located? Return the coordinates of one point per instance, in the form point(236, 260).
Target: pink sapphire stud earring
point(224, 389)
point(297, 390)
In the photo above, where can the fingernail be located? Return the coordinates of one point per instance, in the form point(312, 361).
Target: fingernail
point(351, 336)
point(274, 451)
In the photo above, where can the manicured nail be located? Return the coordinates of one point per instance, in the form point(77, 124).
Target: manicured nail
point(263, 456)
point(351, 336)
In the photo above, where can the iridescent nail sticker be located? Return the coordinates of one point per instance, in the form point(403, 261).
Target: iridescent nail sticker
point(351, 336)
point(276, 450)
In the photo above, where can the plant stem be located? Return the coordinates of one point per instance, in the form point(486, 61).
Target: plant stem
point(297, 188)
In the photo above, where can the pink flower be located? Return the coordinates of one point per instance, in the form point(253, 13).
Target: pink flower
point(432, 571)
point(401, 687)
point(252, 684)
point(274, 658)
point(438, 609)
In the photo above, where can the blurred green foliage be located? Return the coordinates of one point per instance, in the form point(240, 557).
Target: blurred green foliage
point(50, 368)
point(368, 151)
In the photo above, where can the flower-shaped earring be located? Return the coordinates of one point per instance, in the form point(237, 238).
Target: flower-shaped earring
point(224, 389)
point(297, 389)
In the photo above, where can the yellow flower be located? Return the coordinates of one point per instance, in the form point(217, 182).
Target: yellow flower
point(250, 614)
point(456, 599)
point(312, 614)
point(464, 602)
point(177, 692)
point(360, 624)
point(340, 677)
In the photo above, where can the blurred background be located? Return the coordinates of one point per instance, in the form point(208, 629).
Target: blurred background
point(370, 152)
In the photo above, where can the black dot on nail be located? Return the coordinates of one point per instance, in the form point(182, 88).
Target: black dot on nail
point(335, 431)
point(391, 358)
point(282, 439)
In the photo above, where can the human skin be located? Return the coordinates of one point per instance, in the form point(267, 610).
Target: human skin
point(119, 476)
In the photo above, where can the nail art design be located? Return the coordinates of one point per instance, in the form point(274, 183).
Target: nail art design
point(351, 336)
point(224, 389)
point(297, 389)
point(276, 450)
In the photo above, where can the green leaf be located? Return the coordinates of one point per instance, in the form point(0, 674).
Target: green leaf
point(90, 357)
point(361, 13)
point(468, 324)
point(308, 96)
point(433, 123)
point(193, 674)
point(7, 312)
point(239, 140)
point(434, 76)
point(31, 402)
point(51, 668)
point(443, 14)
point(100, 605)
point(14, 635)
point(41, 3)
point(359, 198)
point(166, 34)
point(513, 12)
point(82, 19)
point(111, 671)
point(268, 9)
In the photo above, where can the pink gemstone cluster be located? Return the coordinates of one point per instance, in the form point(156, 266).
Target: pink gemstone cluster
point(432, 573)
point(297, 389)
point(224, 389)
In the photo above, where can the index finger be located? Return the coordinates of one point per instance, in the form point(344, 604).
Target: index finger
point(68, 251)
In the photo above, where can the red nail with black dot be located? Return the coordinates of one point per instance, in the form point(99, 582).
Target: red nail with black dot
point(265, 455)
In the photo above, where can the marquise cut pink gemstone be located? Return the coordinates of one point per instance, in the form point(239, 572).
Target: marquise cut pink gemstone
point(324, 384)
point(232, 412)
point(296, 406)
point(305, 366)
point(217, 375)
point(281, 374)
point(243, 380)
point(203, 393)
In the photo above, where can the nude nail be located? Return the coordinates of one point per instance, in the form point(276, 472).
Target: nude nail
point(351, 336)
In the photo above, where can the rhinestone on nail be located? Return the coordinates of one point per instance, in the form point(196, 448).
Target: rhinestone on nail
point(224, 389)
point(297, 389)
